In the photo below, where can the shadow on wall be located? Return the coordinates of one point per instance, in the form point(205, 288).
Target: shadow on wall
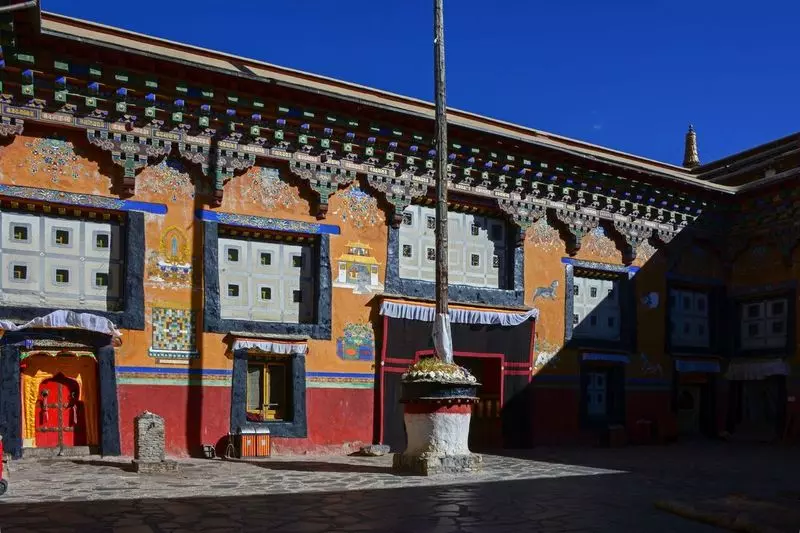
point(610, 370)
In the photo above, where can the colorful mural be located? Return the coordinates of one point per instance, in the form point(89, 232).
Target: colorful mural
point(645, 252)
point(544, 236)
point(174, 334)
point(358, 270)
point(55, 157)
point(547, 355)
point(170, 178)
point(600, 245)
point(264, 186)
point(357, 343)
point(548, 293)
point(650, 368)
point(358, 208)
point(171, 265)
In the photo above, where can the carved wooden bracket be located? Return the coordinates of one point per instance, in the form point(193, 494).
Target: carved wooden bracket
point(324, 179)
point(634, 235)
point(523, 213)
point(578, 225)
point(226, 164)
point(130, 151)
point(11, 126)
point(399, 191)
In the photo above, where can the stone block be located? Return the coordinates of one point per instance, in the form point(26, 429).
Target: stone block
point(428, 464)
point(157, 467)
point(374, 450)
point(149, 438)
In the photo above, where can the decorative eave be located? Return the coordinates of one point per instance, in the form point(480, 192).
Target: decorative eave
point(140, 116)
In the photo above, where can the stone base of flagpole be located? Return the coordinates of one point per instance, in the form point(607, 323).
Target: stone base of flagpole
point(437, 414)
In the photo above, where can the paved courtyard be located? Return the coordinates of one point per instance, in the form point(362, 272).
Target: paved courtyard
point(542, 490)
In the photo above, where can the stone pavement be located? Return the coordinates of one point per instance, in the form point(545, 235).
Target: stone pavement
point(539, 490)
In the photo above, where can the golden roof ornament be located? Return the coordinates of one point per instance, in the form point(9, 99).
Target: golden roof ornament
point(690, 157)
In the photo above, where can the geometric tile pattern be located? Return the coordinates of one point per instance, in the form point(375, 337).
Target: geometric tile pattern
point(174, 335)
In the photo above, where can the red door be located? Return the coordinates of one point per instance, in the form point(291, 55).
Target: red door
point(60, 420)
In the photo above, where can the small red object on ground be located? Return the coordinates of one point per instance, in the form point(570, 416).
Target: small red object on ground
point(3, 482)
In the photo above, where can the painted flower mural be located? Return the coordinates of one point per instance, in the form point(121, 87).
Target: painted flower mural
point(543, 236)
point(169, 177)
point(357, 343)
point(265, 187)
point(55, 157)
point(358, 208)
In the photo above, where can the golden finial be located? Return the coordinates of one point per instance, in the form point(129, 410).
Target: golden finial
point(690, 157)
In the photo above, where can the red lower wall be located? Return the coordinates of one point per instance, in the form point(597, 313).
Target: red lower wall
point(193, 415)
point(556, 415)
point(339, 420)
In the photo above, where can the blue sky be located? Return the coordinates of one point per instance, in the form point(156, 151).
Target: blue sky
point(626, 74)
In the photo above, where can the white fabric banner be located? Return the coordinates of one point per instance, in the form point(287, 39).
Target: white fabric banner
point(442, 338)
point(756, 370)
point(278, 348)
point(457, 316)
point(66, 319)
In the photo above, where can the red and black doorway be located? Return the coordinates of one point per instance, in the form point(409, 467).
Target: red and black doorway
point(498, 355)
point(58, 392)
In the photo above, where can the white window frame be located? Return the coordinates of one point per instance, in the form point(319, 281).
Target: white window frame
point(692, 317)
point(763, 315)
point(593, 314)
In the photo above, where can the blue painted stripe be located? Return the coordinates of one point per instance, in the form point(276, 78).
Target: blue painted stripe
point(339, 375)
point(604, 267)
point(649, 381)
point(611, 357)
point(709, 367)
point(269, 224)
point(147, 207)
point(165, 370)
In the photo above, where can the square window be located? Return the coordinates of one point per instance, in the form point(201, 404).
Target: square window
point(102, 241)
point(62, 237)
point(62, 275)
point(20, 272)
point(431, 254)
point(406, 250)
point(687, 303)
point(297, 296)
point(496, 261)
point(475, 229)
point(575, 320)
point(611, 322)
point(576, 290)
point(266, 258)
point(701, 304)
point(297, 261)
point(431, 222)
point(701, 330)
point(753, 311)
point(475, 260)
point(408, 219)
point(777, 327)
point(233, 290)
point(266, 293)
point(233, 255)
point(20, 233)
point(777, 308)
point(101, 279)
point(593, 320)
point(686, 328)
point(593, 292)
point(752, 330)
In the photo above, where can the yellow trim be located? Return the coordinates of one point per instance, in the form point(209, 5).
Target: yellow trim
point(361, 259)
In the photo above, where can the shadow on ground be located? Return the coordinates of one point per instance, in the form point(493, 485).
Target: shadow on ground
point(596, 503)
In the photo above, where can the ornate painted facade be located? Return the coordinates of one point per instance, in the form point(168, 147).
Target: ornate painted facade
point(214, 177)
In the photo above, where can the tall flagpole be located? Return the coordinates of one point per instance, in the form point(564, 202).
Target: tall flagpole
point(441, 328)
